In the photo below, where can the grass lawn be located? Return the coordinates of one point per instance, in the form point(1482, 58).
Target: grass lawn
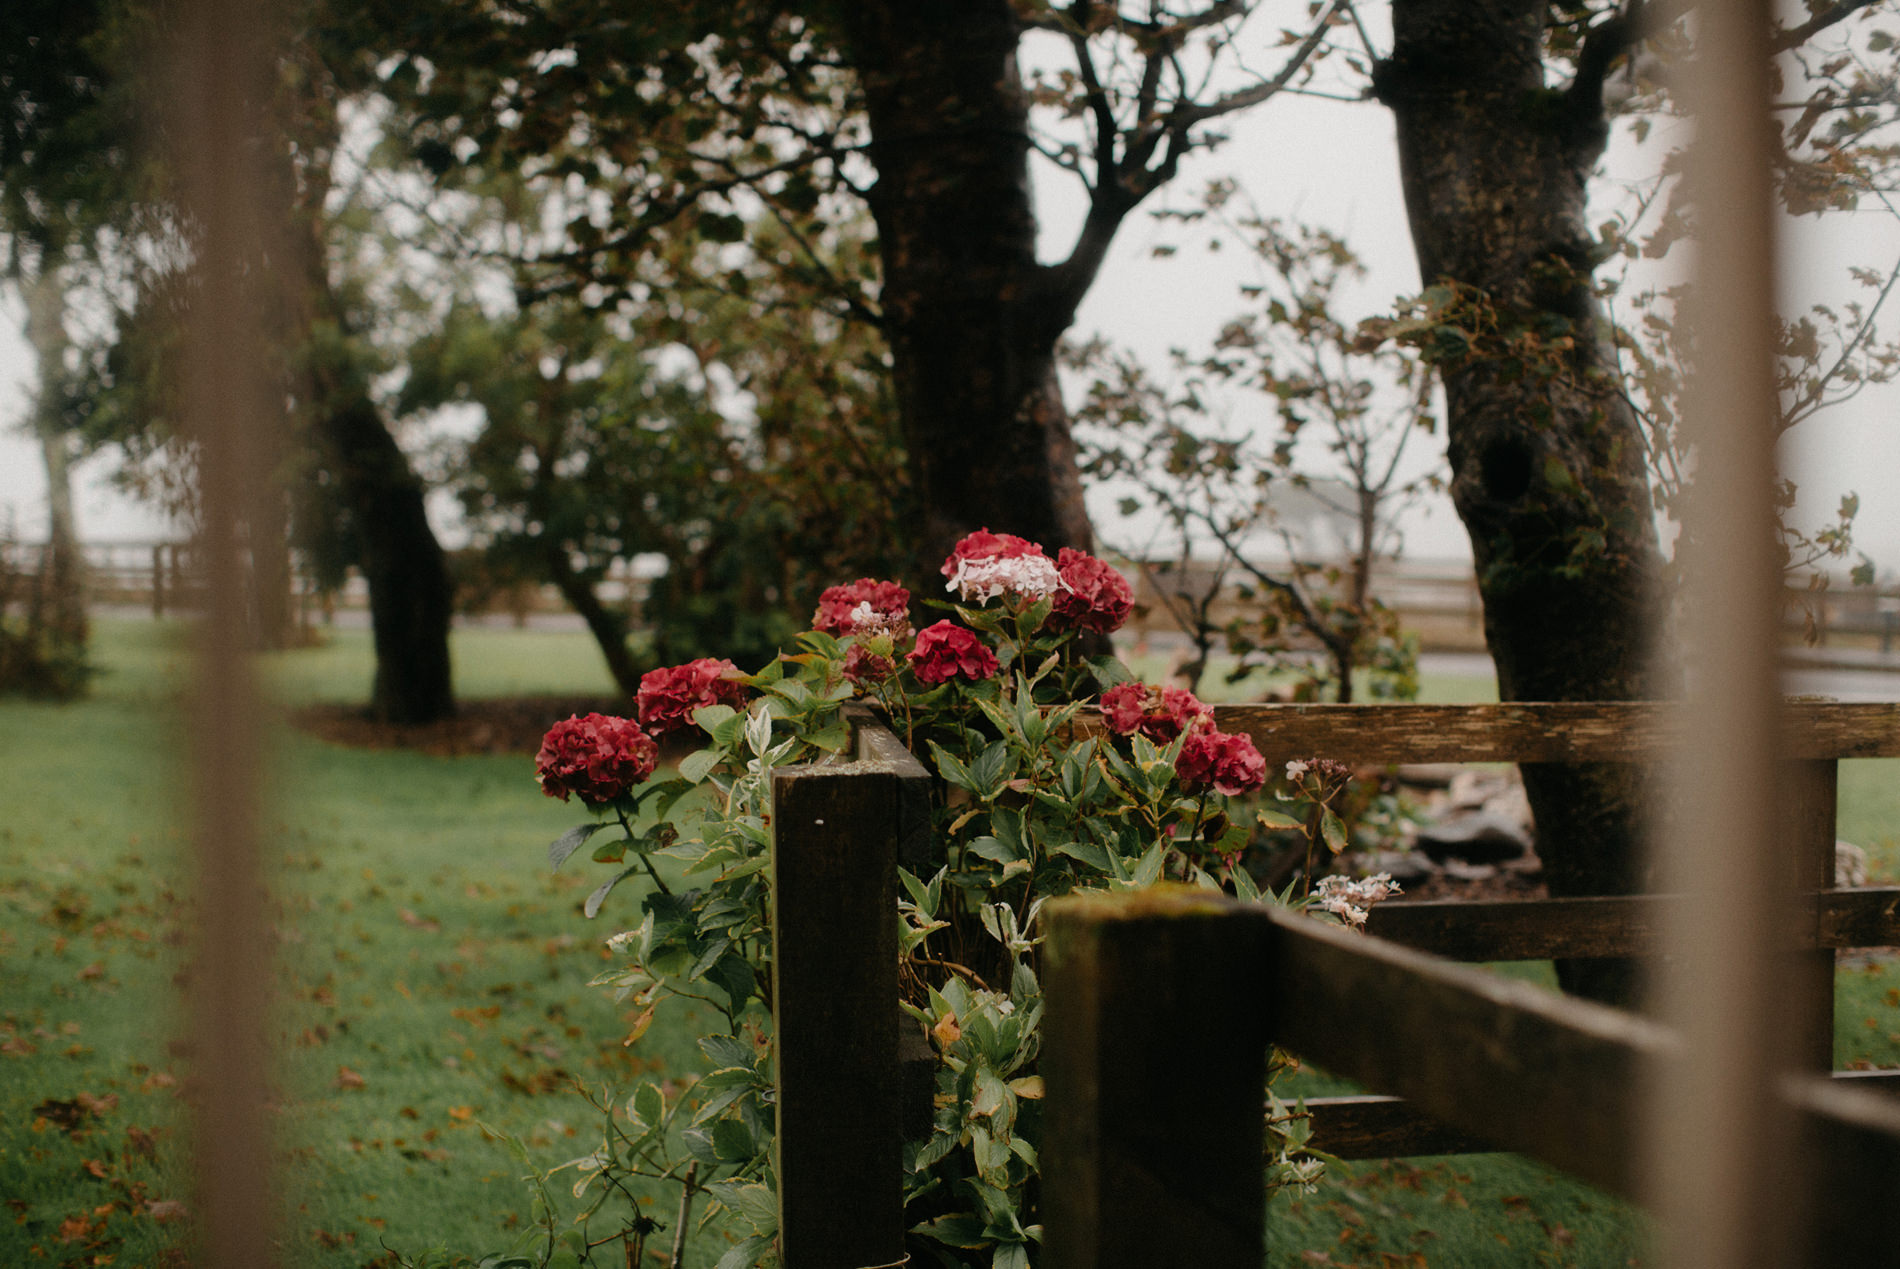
point(432, 973)
point(433, 980)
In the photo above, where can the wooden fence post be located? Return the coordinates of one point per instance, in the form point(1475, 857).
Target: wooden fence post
point(1808, 814)
point(1155, 1061)
point(834, 978)
point(158, 580)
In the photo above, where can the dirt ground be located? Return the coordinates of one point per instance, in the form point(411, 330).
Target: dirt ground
point(501, 725)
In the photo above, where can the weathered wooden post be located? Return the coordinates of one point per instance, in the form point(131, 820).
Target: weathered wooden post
point(1155, 1062)
point(836, 833)
point(1808, 809)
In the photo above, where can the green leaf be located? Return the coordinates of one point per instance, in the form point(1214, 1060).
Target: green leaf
point(699, 1144)
point(1148, 871)
point(569, 842)
point(695, 766)
point(727, 1050)
point(649, 1104)
point(1279, 819)
point(732, 1141)
point(833, 738)
point(1333, 831)
point(991, 849)
point(1088, 852)
point(960, 1229)
point(707, 959)
point(745, 1253)
point(1109, 672)
point(710, 716)
point(755, 1202)
point(591, 908)
point(951, 768)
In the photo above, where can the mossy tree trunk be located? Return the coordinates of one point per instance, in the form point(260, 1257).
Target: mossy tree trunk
point(1546, 457)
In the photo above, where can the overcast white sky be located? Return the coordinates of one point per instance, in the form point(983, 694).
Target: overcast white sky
point(1326, 163)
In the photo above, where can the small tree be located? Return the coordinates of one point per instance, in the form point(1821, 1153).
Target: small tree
point(1220, 492)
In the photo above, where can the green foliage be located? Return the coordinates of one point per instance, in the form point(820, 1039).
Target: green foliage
point(39, 654)
point(735, 443)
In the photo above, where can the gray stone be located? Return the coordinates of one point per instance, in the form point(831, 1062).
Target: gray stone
point(1476, 837)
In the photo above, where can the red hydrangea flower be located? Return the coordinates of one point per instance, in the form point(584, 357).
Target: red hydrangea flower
point(985, 565)
point(1228, 762)
point(983, 546)
point(596, 757)
point(863, 666)
point(668, 696)
point(1159, 713)
point(1094, 596)
point(866, 606)
point(947, 651)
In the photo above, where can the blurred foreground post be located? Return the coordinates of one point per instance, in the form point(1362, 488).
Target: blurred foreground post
point(1156, 1058)
point(1721, 1168)
point(219, 94)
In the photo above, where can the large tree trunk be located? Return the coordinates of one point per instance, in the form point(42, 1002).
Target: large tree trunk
point(411, 596)
point(61, 594)
point(608, 627)
point(968, 311)
point(1547, 466)
point(410, 593)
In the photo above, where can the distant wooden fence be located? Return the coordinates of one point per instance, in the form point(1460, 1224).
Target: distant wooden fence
point(1160, 1008)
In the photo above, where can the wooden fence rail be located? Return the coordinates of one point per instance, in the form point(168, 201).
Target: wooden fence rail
point(1131, 1145)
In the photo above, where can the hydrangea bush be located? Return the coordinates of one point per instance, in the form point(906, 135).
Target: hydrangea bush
point(1054, 772)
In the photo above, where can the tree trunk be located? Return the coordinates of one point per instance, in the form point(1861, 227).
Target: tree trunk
point(1546, 458)
point(608, 627)
point(970, 316)
point(61, 594)
point(410, 594)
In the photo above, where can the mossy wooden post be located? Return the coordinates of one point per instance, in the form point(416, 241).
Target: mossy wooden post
point(836, 833)
point(1154, 1058)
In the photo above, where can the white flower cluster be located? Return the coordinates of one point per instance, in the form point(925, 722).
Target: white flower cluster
point(1028, 577)
point(1350, 900)
point(1294, 770)
point(867, 622)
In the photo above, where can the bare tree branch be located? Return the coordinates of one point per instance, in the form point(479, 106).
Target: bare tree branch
point(1794, 36)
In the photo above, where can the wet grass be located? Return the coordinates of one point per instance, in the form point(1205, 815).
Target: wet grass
point(431, 977)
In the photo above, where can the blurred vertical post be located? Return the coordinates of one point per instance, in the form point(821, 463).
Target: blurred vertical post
point(219, 90)
point(1721, 1168)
